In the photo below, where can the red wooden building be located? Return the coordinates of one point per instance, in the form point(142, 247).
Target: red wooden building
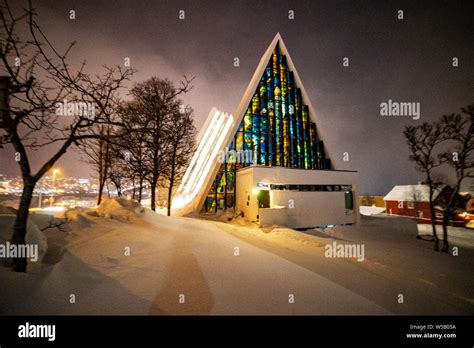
point(413, 201)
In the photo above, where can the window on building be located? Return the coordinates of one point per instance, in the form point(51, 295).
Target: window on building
point(411, 204)
point(323, 188)
point(349, 200)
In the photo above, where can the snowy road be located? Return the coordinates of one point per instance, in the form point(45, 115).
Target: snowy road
point(204, 266)
point(175, 266)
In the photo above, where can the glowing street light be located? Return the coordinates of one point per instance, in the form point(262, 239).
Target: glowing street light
point(55, 172)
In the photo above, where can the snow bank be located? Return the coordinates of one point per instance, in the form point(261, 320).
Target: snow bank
point(34, 236)
point(11, 203)
point(121, 209)
point(366, 210)
point(77, 217)
point(7, 210)
point(221, 215)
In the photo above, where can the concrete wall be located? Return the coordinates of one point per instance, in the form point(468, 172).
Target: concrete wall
point(282, 175)
point(273, 216)
point(310, 208)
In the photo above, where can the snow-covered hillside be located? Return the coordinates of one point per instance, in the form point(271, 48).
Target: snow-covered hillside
point(122, 259)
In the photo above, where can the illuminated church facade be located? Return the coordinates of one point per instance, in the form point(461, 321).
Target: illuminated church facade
point(269, 162)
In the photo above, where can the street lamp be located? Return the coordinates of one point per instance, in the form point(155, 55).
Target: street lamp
point(55, 172)
point(40, 195)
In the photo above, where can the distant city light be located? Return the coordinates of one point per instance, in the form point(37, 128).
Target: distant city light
point(55, 208)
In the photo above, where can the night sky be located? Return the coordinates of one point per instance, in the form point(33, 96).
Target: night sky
point(405, 60)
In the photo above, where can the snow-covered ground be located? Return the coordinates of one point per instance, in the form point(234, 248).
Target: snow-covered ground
point(231, 268)
point(372, 210)
point(456, 235)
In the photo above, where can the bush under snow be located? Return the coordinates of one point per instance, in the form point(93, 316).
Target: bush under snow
point(120, 209)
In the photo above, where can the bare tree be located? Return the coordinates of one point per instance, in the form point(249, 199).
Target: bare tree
point(422, 141)
point(40, 86)
point(119, 172)
point(180, 139)
point(135, 146)
point(97, 151)
point(156, 100)
point(460, 129)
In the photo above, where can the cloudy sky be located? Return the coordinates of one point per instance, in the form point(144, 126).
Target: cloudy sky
point(407, 60)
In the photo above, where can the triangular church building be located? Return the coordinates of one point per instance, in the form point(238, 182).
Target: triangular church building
point(268, 162)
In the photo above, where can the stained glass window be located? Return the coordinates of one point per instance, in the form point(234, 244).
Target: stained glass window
point(276, 128)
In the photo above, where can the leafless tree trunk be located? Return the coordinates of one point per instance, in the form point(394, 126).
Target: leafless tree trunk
point(423, 141)
point(104, 163)
point(154, 102)
point(460, 129)
point(140, 186)
point(32, 114)
point(97, 152)
point(119, 170)
point(181, 147)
